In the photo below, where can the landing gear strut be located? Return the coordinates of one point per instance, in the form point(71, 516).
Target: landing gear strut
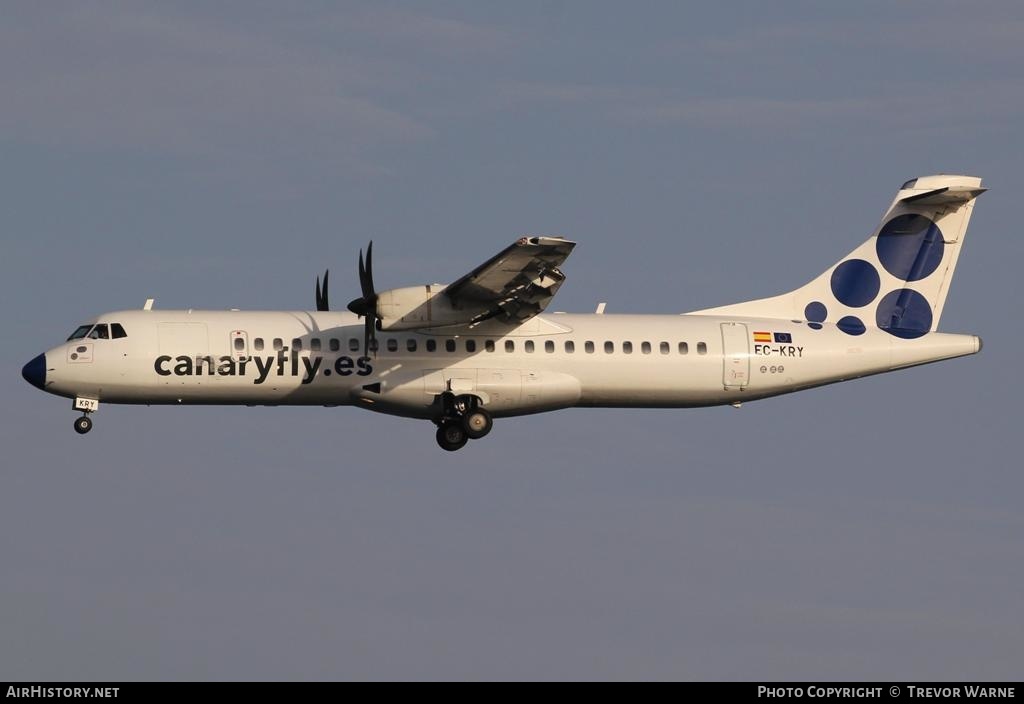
point(463, 420)
point(83, 424)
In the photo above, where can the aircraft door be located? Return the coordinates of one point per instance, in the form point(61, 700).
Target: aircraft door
point(735, 356)
point(239, 345)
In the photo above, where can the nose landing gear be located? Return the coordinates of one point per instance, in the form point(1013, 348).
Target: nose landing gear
point(463, 419)
point(83, 424)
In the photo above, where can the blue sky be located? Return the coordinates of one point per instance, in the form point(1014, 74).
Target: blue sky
point(222, 154)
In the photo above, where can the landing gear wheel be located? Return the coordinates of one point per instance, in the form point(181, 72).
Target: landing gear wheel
point(477, 423)
point(83, 425)
point(452, 437)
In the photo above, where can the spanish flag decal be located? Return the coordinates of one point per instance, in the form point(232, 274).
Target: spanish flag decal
point(762, 337)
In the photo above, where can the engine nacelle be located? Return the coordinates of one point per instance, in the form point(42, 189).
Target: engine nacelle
point(422, 306)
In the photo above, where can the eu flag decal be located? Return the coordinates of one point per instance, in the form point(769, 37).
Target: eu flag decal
point(784, 338)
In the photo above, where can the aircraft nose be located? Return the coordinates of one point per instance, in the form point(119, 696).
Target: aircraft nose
point(35, 371)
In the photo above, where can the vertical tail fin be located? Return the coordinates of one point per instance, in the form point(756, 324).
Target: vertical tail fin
point(899, 278)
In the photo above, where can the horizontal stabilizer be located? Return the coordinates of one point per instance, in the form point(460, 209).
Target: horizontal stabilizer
point(945, 196)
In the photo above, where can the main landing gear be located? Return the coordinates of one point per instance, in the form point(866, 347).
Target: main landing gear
point(464, 419)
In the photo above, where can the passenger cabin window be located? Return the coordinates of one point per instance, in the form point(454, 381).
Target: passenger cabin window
point(353, 345)
point(449, 345)
point(702, 348)
point(117, 332)
point(278, 344)
point(549, 346)
point(510, 346)
point(627, 348)
point(80, 332)
point(609, 347)
point(471, 345)
point(392, 344)
point(589, 347)
point(100, 332)
point(314, 344)
point(489, 345)
point(684, 348)
point(645, 347)
point(431, 345)
point(665, 348)
point(410, 344)
point(570, 346)
point(334, 344)
point(296, 344)
point(239, 344)
point(529, 346)
point(257, 344)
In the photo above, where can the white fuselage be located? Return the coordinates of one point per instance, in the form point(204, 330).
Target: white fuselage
point(482, 347)
point(552, 361)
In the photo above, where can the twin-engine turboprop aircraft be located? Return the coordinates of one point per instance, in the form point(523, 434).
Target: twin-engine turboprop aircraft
point(477, 349)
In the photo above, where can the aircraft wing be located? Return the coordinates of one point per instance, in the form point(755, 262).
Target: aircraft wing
point(515, 284)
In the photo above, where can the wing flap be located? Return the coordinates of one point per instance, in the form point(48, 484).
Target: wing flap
point(515, 284)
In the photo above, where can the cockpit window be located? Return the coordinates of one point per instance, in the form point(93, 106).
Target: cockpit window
point(116, 331)
point(100, 332)
point(80, 332)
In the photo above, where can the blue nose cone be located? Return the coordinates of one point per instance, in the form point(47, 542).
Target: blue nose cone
point(35, 371)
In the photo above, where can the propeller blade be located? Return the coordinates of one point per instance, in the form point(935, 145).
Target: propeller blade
point(369, 291)
point(370, 335)
point(321, 294)
point(362, 274)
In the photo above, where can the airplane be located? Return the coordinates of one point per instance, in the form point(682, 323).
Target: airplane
point(482, 348)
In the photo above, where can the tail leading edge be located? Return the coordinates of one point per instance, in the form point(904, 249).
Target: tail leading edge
point(899, 278)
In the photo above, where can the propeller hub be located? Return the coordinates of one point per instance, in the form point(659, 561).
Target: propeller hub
point(363, 306)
